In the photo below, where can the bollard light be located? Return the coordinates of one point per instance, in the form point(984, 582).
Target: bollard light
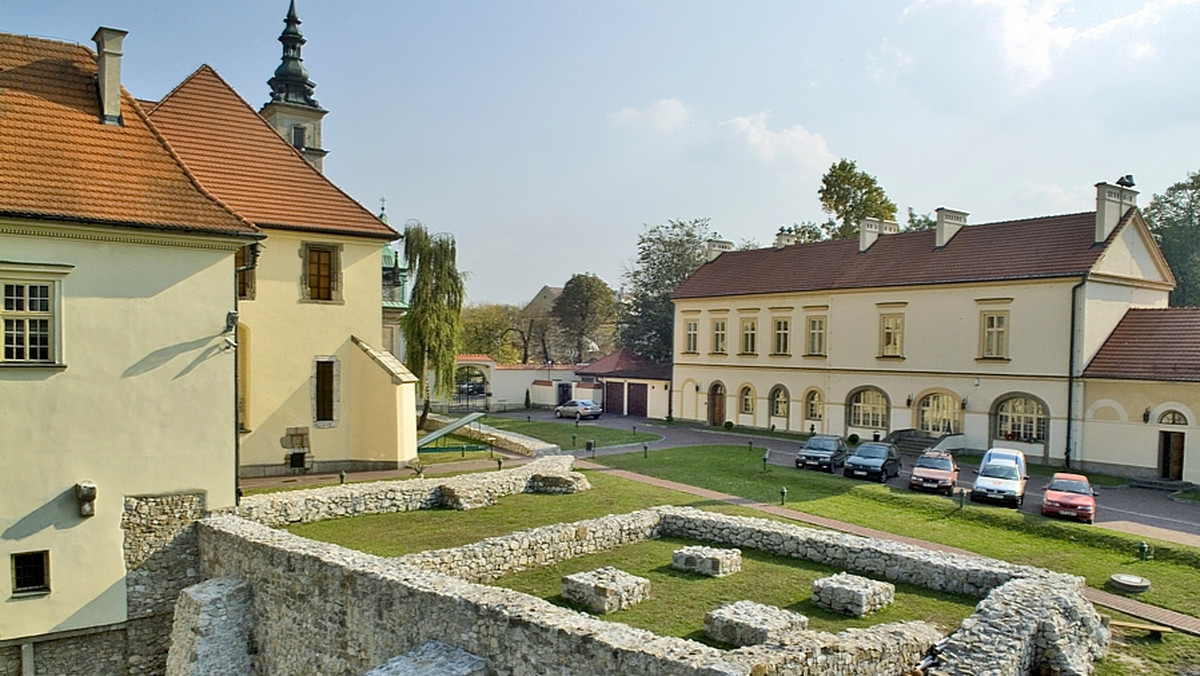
point(645, 450)
point(1144, 551)
point(766, 457)
point(635, 429)
point(499, 464)
point(342, 477)
point(528, 418)
point(783, 495)
point(572, 441)
point(750, 444)
point(577, 422)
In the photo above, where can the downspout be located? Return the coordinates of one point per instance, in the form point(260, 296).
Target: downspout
point(1071, 368)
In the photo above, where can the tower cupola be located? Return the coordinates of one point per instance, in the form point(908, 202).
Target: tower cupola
point(292, 110)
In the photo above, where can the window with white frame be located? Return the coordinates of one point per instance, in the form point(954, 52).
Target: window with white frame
point(939, 413)
point(1022, 419)
point(869, 408)
point(690, 337)
point(783, 336)
point(993, 335)
point(816, 337)
point(779, 401)
point(746, 396)
point(814, 405)
point(749, 336)
point(718, 336)
point(891, 335)
point(31, 313)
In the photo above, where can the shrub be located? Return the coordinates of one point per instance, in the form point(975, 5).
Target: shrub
point(728, 424)
point(852, 439)
point(528, 401)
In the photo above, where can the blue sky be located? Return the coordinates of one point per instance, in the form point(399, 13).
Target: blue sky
point(545, 135)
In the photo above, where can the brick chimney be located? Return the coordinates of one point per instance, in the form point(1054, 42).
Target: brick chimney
point(949, 222)
point(869, 230)
point(108, 79)
point(716, 247)
point(1112, 201)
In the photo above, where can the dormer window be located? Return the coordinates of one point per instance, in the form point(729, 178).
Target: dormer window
point(298, 137)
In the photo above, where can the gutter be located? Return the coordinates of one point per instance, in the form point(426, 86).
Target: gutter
point(1071, 368)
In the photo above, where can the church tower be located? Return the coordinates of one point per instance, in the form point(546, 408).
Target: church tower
point(293, 111)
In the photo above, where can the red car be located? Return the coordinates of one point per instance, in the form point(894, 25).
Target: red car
point(1070, 495)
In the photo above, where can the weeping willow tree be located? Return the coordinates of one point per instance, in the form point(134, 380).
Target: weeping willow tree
point(432, 330)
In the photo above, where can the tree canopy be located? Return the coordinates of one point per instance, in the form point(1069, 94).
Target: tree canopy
point(584, 306)
point(485, 331)
point(1174, 218)
point(852, 195)
point(667, 255)
point(432, 328)
point(920, 221)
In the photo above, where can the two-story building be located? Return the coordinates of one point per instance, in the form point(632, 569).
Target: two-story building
point(979, 331)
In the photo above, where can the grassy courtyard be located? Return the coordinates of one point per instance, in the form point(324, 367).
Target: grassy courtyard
point(569, 435)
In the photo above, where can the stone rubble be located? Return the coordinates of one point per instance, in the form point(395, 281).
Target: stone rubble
point(433, 658)
point(709, 561)
point(605, 590)
point(852, 595)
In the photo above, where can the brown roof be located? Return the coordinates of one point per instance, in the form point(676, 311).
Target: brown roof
point(61, 163)
point(1053, 246)
point(239, 157)
point(625, 363)
point(1151, 344)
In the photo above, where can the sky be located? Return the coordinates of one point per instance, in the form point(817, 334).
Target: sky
point(546, 136)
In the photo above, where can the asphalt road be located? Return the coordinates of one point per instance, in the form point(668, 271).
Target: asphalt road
point(1139, 510)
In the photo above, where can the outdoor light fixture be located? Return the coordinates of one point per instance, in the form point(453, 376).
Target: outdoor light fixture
point(964, 405)
point(910, 400)
point(1146, 415)
point(85, 492)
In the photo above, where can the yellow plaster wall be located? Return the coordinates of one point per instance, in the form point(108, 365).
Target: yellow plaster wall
point(144, 406)
point(1130, 441)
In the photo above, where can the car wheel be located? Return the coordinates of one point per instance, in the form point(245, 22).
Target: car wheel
point(973, 498)
point(1019, 501)
point(883, 476)
point(557, 413)
point(579, 416)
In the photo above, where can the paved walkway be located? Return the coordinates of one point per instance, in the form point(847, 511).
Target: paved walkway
point(1145, 611)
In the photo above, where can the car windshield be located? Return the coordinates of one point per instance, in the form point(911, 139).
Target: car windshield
point(934, 463)
point(871, 452)
point(820, 445)
point(997, 471)
point(1070, 486)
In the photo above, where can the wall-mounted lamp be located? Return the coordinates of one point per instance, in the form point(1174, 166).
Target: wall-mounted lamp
point(908, 402)
point(697, 387)
point(964, 404)
point(85, 493)
point(1146, 415)
point(231, 321)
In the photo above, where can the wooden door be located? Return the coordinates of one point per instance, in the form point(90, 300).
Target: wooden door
point(637, 399)
point(716, 404)
point(1170, 446)
point(614, 398)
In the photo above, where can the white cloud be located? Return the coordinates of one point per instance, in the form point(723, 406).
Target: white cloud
point(1051, 197)
point(665, 115)
point(795, 144)
point(888, 63)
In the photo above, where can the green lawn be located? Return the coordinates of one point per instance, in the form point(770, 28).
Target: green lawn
point(570, 436)
point(992, 531)
point(1188, 495)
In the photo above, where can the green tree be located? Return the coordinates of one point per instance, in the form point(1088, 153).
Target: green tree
point(920, 221)
point(432, 326)
point(852, 195)
point(805, 232)
point(585, 305)
point(1174, 218)
point(667, 255)
point(486, 329)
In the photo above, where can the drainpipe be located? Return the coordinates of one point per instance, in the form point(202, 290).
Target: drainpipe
point(1071, 368)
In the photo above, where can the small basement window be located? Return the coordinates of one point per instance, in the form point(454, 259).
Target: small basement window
point(31, 572)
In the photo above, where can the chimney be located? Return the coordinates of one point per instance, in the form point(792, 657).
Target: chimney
point(949, 222)
point(783, 239)
point(108, 62)
point(869, 230)
point(715, 247)
point(1112, 201)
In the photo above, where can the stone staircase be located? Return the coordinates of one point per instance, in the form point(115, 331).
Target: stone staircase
point(911, 441)
point(1162, 484)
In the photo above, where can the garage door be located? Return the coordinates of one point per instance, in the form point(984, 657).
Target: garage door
point(614, 398)
point(637, 399)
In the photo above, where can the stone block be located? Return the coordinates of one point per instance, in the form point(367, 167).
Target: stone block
point(852, 594)
point(605, 590)
point(748, 623)
point(433, 658)
point(707, 560)
point(211, 635)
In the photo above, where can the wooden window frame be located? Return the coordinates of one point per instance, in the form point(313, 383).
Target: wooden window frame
point(993, 339)
point(691, 336)
point(313, 280)
point(25, 315)
point(891, 335)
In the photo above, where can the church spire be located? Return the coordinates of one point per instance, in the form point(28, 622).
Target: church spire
point(291, 83)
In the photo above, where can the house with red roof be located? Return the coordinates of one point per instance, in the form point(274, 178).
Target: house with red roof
point(968, 335)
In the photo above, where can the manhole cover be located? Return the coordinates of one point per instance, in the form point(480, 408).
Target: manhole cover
point(1129, 583)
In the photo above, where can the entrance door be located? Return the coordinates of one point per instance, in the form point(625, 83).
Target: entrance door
point(716, 404)
point(1170, 453)
point(564, 393)
point(614, 398)
point(637, 399)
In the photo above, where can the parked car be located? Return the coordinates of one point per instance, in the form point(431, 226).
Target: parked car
point(1013, 455)
point(1000, 481)
point(471, 387)
point(874, 460)
point(1070, 495)
point(824, 452)
point(934, 471)
point(578, 409)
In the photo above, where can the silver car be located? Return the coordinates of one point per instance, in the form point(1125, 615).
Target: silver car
point(578, 409)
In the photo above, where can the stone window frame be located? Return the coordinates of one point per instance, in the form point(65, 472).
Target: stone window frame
point(780, 401)
point(309, 251)
point(994, 333)
point(891, 335)
point(870, 414)
point(746, 400)
point(691, 336)
point(1030, 426)
point(749, 333)
point(333, 406)
point(782, 336)
point(814, 405)
point(816, 334)
point(31, 573)
point(16, 315)
point(941, 407)
point(719, 335)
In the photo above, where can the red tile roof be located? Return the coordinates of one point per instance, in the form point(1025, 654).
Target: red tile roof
point(60, 163)
point(613, 361)
point(239, 157)
point(1151, 344)
point(1053, 246)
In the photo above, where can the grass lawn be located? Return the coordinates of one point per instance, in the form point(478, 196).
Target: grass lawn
point(992, 531)
point(1188, 495)
point(679, 600)
point(1132, 652)
point(568, 435)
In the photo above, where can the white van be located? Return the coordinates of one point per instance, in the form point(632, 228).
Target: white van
point(1001, 478)
point(1005, 454)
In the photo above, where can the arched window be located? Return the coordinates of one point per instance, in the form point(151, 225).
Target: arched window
point(1172, 418)
point(779, 401)
point(939, 413)
point(869, 408)
point(814, 405)
point(1021, 419)
point(747, 398)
